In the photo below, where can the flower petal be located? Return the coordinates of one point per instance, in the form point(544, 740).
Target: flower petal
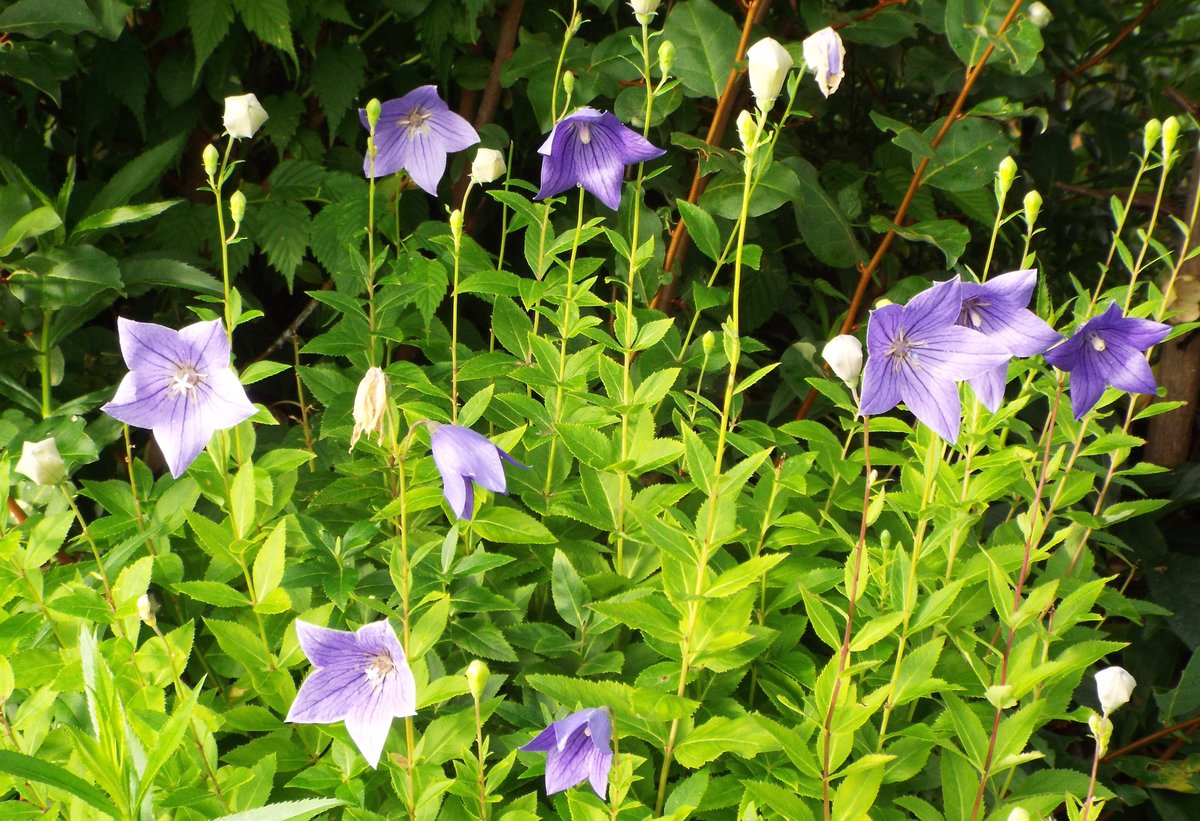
point(324, 646)
point(147, 345)
point(601, 765)
point(222, 399)
point(543, 742)
point(452, 131)
point(933, 401)
point(206, 345)
point(882, 326)
point(183, 433)
point(880, 387)
point(326, 695)
point(631, 146)
point(1124, 367)
point(426, 162)
point(139, 401)
point(569, 765)
point(936, 307)
point(369, 721)
point(955, 353)
point(1019, 330)
point(989, 387)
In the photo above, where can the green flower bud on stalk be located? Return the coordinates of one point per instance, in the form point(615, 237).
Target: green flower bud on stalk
point(1150, 135)
point(747, 131)
point(1033, 206)
point(373, 109)
point(1170, 133)
point(477, 678)
point(237, 208)
point(456, 225)
point(568, 81)
point(1005, 174)
point(666, 57)
point(211, 158)
point(708, 342)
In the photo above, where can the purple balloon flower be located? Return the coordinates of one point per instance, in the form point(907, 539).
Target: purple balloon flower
point(996, 309)
point(415, 133)
point(591, 148)
point(179, 385)
point(361, 678)
point(464, 457)
point(577, 748)
point(917, 354)
point(1108, 350)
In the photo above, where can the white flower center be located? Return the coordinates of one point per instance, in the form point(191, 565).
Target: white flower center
point(585, 133)
point(902, 350)
point(185, 380)
point(971, 314)
point(378, 669)
point(1097, 342)
point(414, 121)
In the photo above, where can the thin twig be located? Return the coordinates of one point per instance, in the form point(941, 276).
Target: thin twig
point(1116, 41)
point(1186, 726)
point(294, 328)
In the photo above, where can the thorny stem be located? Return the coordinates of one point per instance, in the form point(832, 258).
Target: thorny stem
point(1032, 537)
point(844, 655)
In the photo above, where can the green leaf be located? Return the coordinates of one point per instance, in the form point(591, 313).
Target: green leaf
point(744, 736)
point(136, 175)
point(588, 445)
point(949, 236)
point(34, 224)
point(66, 276)
point(740, 575)
point(270, 20)
point(507, 525)
point(702, 227)
point(778, 186)
point(120, 215)
point(144, 272)
point(214, 593)
point(967, 158)
point(39, 18)
point(242, 501)
point(338, 75)
point(209, 21)
point(281, 228)
point(258, 371)
point(167, 741)
point(705, 39)
point(856, 794)
point(286, 810)
point(270, 561)
point(28, 768)
point(570, 593)
point(822, 225)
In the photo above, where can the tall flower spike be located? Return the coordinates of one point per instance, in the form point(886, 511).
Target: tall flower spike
point(361, 678)
point(577, 748)
point(1108, 350)
point(591, 148)
point(917, 354)
point(464, 458)
point(415, 133)
point(179, 385)
point(996, 309)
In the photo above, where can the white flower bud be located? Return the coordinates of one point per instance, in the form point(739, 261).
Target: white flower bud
point(146, 610)
point(644, 10)
point(244, 115)
point(1019, 813)
point(370, 405)
point(826, 56)
point(769, 65)
point(747, 131)
point(488, 166)
point(1040, 16)
point(845, 357)
point(41, 463)
point(1114, 686)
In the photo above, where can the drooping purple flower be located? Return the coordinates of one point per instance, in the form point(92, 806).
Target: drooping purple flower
point(997, 309)
point(361, 678)
point(591, 148)
point(462, 457)
point(179, 385)
point(1108, 350)
point(577, 748)
point(916, 355)
point(415, 133)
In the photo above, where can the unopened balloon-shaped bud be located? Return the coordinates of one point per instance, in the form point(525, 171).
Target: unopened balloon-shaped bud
point(41, 462)
point(568, 81)
point(488, 166)
point(708, 342)
point(370, 406)
point(1040, 16)
point(666, 57)
point(845, 357)
point(244, 115)
point(145, 610)
point(456, 225)
point(1005, 174)
point(1170, 133)
point(644, 10)
point(1114, 686)
point(210, 158)
point(373, 109)
point(826, 56)
point(769, 65)
point(1033, 206)
point(747, 131)
point(1019, 813)
point(477, 678)
point(237, 208)
point(1150, 135)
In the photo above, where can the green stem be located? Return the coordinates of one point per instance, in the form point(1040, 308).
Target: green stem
point(457, 236)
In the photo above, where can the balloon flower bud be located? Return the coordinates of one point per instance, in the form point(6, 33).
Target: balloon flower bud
point(666, 57)
point(769, 65)
point(747, 131)
point(370, 405)
point(568, 81)
point(373, 109)
point(826, 56)
point(210, 158)
point(1005, 174)
point(237, 208)
point(1170, 133)
point(146, 610)
point(41, 462)
point(1040, 16)
point(845, 357)
point(1019, 814)
point(456, 225)
point(488, 166)
point(708, 342)
point(1151, 134)
point(477, 678)
point(644, 10)
point(1114, 686)
point(1033, 206)
point(244, 115)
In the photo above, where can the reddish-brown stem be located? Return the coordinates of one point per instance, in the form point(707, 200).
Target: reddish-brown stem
point(869, 13)
point(1184, 727)
point(865, 272)
point(15, 510)
point(852, 593)
point(1116, 41)
point(1021, 579)
point(666, 293)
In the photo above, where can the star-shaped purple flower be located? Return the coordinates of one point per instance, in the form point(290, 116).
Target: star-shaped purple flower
point(997, 309)
point(917, 354)
point(577, 748)
point(361, 678)
point(415, 133)
point(179, 385)
point(591, 148)
point(465, 458)
point(1108, 350)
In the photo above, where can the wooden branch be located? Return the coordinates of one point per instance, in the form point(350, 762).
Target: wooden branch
point(1116, 41)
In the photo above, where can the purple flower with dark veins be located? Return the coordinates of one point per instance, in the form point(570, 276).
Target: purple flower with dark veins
point(361, 678)
point(1108, 350)
point(179, 385)
point(415, 133)
point(577, 748)
point(997, 309)
point(591, 148)
point(917, 354)
point(464, 458)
